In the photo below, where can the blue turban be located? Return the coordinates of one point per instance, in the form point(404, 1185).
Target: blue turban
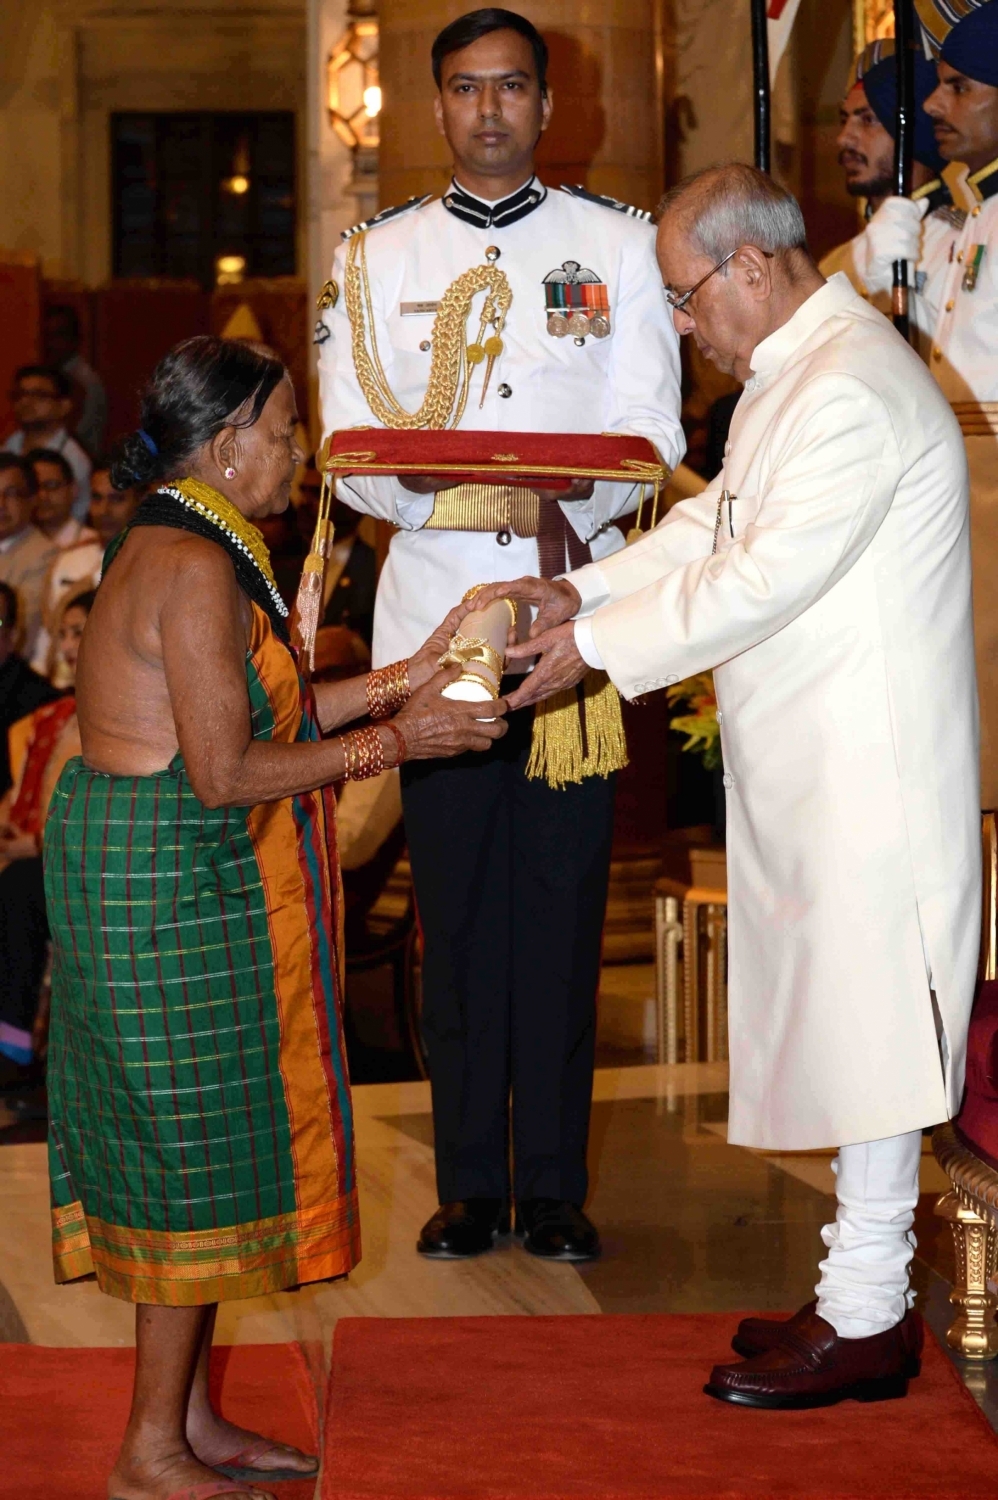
point(972, 46)
point(876, 70)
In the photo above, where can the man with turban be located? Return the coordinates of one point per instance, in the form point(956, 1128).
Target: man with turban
point(919, 229)
point(964, 354)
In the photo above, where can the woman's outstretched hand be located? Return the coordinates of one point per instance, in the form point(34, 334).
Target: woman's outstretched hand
point(423, 665)
point(434, 727)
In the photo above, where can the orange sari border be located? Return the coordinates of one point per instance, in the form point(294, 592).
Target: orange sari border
point(191, 1269)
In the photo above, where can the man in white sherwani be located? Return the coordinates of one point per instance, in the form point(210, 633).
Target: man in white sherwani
point(825, 576)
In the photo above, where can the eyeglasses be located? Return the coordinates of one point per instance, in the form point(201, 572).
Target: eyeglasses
point(22, 392)
point(50, 486)
point(677, 301)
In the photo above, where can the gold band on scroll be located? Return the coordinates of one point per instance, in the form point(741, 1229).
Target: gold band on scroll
point(476, 588)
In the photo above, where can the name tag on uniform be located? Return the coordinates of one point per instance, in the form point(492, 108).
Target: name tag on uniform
point(417, 309)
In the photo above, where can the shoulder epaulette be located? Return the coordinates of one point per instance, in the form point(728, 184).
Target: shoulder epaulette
point(386, 214)
point(577, 191)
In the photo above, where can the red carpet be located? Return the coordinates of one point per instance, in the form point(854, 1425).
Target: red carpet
point(62, 1413)
point(610, 1408)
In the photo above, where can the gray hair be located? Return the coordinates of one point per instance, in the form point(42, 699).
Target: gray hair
point(727, 206)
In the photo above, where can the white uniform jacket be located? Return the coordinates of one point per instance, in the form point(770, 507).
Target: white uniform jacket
point(626, 382)
point(940, 229)
point(964, 360)
point(836, 613)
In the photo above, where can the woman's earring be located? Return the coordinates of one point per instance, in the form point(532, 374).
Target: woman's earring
point(230, 472)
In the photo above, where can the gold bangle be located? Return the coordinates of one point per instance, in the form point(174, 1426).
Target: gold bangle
point(363, 754)
point(387, 689)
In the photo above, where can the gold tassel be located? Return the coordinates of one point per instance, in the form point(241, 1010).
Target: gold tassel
point(564, 751)
point(308, 604)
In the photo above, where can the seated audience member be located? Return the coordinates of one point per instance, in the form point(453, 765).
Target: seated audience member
point(42, 401)
point(110, 512)
point(61, 334)
point(25, 552)
point(110, 509)
point(41, 744)
point(53, 509)
point(21, 689)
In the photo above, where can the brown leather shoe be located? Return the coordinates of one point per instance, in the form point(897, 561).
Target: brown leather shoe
point(812, 1366)
point(756, 1335)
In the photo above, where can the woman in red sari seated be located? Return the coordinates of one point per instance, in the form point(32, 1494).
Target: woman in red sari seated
point(40, 745)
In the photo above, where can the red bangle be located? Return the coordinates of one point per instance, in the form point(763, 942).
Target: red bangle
point(399, 740)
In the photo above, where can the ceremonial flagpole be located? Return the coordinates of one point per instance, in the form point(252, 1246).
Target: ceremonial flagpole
point(904, 143)
point(760, 83)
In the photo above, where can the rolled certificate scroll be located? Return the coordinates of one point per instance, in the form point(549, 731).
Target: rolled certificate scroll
point(479, 649)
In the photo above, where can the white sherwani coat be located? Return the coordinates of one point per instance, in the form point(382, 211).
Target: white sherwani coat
point(837, 615)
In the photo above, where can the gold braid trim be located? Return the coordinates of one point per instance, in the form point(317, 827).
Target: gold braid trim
point(450, 368)
point(557, 753)
point(233, 519)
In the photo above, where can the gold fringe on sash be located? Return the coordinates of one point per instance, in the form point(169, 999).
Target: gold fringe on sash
point(308, 604)
point(578, 733)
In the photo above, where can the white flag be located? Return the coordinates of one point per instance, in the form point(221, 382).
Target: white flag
point(781, 15)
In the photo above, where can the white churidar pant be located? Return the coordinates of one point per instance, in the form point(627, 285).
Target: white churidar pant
point(864, 1281)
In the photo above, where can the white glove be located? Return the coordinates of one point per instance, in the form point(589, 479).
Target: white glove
point(894, 233)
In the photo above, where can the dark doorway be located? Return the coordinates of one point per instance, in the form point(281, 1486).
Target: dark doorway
point(208, 197)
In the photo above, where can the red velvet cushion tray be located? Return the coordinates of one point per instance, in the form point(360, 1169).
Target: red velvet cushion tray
point(546, 459)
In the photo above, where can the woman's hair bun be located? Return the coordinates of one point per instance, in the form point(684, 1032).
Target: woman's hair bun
point(133, 463)
point(204, 384)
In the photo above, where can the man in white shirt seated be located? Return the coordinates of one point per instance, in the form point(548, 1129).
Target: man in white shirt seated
point(42, 400)
point(56, 499)
point(25, 553)
point(80, 549)
point(825, 576)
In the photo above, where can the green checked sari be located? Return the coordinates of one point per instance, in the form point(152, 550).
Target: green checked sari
point(200, 1144)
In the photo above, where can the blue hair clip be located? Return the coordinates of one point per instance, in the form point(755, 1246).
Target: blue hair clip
point(148, 442)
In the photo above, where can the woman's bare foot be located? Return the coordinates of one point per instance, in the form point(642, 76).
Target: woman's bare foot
point(158, 1474)
point(216, 1441)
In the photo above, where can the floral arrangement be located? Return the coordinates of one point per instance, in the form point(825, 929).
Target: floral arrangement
point(700, 724)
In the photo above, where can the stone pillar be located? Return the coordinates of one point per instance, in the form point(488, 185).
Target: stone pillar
point(607, 75)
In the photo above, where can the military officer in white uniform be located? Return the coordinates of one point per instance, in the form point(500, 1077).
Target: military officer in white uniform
point(920, 229)
point(964, 357)
point(510, 874)
point(825, 576)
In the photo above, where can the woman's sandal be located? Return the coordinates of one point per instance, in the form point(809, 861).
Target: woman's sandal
point(243, 1465)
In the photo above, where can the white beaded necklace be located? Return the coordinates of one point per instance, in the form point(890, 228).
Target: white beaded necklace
point(234, 538)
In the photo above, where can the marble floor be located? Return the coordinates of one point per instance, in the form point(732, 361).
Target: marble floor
point(689, 1223)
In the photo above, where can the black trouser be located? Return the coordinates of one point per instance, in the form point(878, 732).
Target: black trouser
point(511, 880)
point(24, 933)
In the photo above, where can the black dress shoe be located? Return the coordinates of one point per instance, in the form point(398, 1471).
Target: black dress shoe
point(812, 1366)
point(460, 1230)
point(757, 1335)
point(556, 1230)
